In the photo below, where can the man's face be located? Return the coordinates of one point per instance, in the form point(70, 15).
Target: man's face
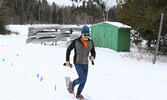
point(85, 36)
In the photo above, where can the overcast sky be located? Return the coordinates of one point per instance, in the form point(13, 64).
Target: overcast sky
point(68, 2)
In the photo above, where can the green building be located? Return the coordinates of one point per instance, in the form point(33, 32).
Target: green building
point(113, 35)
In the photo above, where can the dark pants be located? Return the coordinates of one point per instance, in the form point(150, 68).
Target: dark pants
point(82, 71)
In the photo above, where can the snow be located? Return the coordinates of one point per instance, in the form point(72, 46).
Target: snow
point(61, 3)
point(118, 24)
point(69, 2)
point(113, 77)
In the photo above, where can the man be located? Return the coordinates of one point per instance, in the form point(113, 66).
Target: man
point(82, 46)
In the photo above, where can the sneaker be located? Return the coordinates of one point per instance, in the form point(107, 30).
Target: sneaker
point(71, 88)
point(79, 96)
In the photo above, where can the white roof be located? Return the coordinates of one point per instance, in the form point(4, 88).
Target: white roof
point(117, 24)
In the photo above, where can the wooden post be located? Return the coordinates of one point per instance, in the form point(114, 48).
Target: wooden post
point(158, 38)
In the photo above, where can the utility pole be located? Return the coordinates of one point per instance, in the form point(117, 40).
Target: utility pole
point(158, 38)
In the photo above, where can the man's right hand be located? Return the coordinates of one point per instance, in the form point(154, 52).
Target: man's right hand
point(67, 63)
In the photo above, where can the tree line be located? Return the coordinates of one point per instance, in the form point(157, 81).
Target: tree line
point(40, 12)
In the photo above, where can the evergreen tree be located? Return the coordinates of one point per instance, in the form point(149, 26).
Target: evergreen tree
point(143, 16)
point(39, 11)
point(60, 16)
point(4, 17)
point(77, 10)
point(96, 10)
point(68, 15)
point(54, 13)
point(112, 14)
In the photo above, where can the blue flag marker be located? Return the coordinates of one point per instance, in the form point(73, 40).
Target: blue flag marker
point(38, 75)
point(3, 59)
point(55, 87)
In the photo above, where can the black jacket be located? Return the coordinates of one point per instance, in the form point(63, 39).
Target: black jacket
point(81, 55)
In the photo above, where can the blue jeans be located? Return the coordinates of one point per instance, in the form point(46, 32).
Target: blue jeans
point(82, 71)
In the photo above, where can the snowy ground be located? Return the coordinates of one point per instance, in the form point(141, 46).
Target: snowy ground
point(113, 77)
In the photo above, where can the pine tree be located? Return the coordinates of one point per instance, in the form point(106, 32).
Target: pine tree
point(54, 13)
point(4, 18)
point(112, 14)
point(143, 16)
point(60, 16)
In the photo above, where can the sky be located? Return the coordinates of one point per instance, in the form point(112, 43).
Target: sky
point(69, 3)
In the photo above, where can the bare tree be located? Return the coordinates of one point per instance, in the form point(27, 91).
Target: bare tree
point(108, 4)
point(1, 3)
